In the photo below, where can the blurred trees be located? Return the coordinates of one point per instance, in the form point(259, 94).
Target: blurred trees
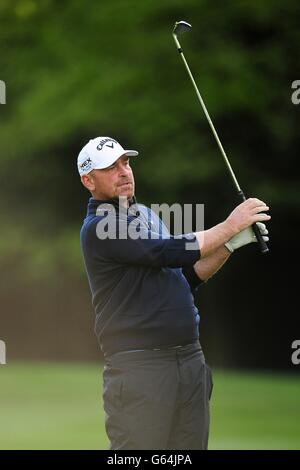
point(74, 70)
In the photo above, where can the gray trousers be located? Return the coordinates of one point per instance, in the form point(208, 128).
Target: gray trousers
point(157, 399)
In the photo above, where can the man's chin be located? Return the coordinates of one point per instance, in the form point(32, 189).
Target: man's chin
point(126, 191)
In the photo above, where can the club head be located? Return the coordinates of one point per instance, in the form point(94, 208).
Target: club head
point(181, 27)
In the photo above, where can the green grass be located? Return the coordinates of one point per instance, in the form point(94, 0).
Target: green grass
point(59, 406)
point(255, 411)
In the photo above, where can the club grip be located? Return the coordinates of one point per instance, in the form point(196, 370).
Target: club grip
point(263, 247)
point(262, 244)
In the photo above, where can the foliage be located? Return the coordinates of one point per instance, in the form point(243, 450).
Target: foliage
point(74, 70)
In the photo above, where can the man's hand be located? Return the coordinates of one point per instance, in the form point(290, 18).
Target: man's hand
point(246, 214)
point(245, 237)
point(243, 216)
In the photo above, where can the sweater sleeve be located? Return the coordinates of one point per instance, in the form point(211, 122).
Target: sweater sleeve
point(141, 246)
point(192, 278)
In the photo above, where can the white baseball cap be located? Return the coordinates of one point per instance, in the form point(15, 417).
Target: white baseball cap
point(100, 153)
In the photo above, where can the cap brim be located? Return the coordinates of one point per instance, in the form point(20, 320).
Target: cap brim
point(131, 153)
point(128, 153)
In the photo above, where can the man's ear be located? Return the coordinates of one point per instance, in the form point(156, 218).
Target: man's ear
point(87, 182)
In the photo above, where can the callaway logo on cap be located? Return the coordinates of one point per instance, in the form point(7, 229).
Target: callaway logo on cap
point(100, 153)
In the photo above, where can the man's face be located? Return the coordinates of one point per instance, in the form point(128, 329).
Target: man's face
point(112, 182)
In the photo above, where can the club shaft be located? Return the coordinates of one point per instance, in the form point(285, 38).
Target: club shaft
point(208, 117)
point(262, 244)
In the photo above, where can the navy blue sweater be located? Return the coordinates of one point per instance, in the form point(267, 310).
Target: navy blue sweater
point(141, 288)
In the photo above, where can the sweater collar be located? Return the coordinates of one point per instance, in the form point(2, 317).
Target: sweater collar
point(93, 204)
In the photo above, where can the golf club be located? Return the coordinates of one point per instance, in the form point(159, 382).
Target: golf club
point(180, 28)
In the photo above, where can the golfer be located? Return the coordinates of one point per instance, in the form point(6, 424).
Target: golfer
point(156, 383)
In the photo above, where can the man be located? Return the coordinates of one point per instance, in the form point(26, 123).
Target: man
point(157, 385)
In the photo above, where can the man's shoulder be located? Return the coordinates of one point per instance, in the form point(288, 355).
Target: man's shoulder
point(88, 224)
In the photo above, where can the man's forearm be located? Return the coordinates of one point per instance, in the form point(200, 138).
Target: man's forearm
point(208, 266)
point(214, 238)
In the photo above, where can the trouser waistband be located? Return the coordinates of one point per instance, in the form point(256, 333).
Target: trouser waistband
point(178, 348)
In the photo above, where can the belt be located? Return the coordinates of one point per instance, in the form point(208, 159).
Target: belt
point(169, 348)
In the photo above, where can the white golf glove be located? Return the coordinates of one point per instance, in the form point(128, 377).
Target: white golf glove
point(246, 236)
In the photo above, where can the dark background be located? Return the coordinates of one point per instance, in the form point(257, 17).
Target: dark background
point(74, 70)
